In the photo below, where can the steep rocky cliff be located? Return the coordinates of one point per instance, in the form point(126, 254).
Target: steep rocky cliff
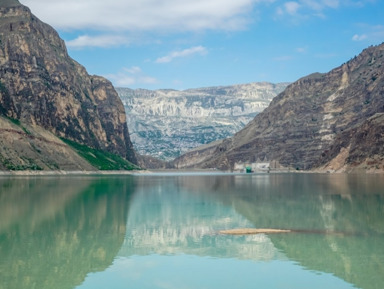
point(167, 123)
point(318, 120)
point(41, 85)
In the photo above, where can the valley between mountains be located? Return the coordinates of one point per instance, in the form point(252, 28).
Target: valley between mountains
point(167, 123)
point(54, 116)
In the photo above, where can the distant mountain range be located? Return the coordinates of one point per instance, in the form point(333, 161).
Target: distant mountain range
point(332, 121)
point(167, 123)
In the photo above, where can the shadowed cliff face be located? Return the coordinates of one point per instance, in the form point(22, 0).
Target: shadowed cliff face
point(41, 85)
point(302, 123)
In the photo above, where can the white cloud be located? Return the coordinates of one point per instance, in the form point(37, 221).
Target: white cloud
point(331, 3)
point(307, 7)
point(133, 70)
point(144, 15)
point(97, 41)
point(131, 76)
point(320, 5)
point(291, 7)
point(302, 49)
point(357, 37)
point(183, 53)
point(279, 11)
point(373, 33)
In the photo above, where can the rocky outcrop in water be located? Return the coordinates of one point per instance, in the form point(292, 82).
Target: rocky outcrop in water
point(41, 85)
point(167, 123)
point(322, 119)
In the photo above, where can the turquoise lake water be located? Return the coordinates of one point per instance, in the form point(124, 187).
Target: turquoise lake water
point(162, 231)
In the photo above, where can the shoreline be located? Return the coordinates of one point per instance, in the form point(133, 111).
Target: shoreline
point(65, 173)
point(131, 172)
point(171, 171)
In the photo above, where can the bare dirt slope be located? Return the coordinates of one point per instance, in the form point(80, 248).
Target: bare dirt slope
point(29, 147)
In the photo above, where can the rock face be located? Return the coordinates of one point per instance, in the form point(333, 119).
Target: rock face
point(322, 119)
point(34, 148)
point(41, 85)
point(360, 148)
point(167, 123)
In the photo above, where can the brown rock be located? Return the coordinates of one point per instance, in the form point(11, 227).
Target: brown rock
point(41, 85)
point(310, 122)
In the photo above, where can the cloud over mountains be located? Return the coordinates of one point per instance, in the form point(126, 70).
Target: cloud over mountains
point(183, 53)
point(195, 43)
point(133, 15)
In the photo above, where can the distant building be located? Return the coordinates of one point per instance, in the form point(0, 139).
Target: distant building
point(259, 166)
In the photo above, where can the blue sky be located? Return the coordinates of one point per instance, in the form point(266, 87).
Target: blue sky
point(185, 44)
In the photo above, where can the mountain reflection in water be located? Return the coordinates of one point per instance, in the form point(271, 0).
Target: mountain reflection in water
point(173, 215)
point(96, 232)
point(54, 231)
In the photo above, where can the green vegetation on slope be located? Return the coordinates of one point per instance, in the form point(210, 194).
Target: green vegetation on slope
point(28, 165)
point(18, 123)
point(102, 160)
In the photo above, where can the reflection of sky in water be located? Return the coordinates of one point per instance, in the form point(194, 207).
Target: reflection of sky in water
point(191, 272)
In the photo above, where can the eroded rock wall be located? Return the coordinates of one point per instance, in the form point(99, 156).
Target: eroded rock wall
point(41, 85)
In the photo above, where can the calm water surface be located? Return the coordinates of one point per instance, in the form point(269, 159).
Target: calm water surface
point(161, 231)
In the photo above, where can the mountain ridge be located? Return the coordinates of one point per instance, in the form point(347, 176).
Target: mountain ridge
point(166, 123)
point(302, 123)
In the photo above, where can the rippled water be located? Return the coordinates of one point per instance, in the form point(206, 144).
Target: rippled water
point(162, 231)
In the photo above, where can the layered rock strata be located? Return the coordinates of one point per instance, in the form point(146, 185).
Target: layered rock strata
point(41, 85)
point(313, 121)
point(167, 123)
